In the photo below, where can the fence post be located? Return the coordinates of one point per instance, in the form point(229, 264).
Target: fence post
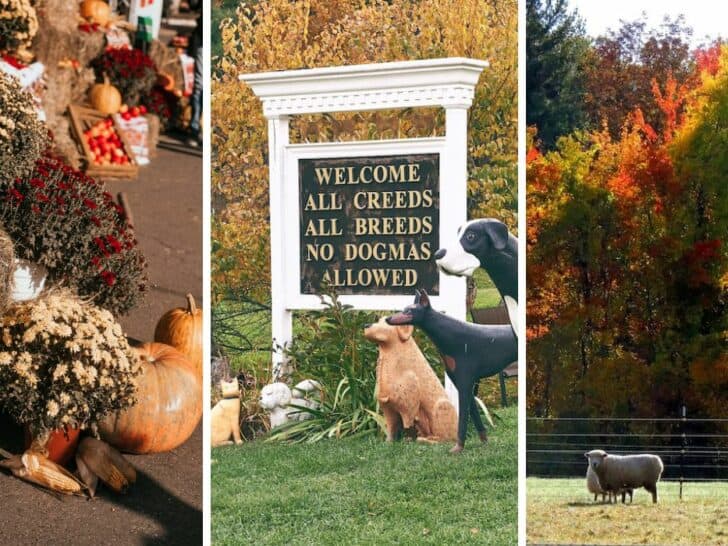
point(683, 422)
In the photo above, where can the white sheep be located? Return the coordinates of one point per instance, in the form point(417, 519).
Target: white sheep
point(620, 473)
point(279, 399)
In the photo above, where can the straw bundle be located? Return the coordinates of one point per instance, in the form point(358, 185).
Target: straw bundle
point(7, 268)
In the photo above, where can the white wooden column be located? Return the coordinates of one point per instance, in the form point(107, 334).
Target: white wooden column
point(454, 211)
point(281, 316)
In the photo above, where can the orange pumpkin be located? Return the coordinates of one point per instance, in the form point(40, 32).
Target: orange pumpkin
point(96, 11)
point(168, 408)
point(182, 329)
point(105, 98)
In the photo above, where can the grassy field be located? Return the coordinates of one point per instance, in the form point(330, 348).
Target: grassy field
point(365, 491)
point(561, 511)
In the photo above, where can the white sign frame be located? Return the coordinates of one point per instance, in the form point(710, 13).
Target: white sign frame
point(448, 83)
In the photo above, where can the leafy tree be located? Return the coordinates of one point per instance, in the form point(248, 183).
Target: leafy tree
point(556, 56)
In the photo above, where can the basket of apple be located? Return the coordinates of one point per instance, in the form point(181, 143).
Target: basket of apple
point(107, 150)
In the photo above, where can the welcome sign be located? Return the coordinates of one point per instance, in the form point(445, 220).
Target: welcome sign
point(364, 217)
point(369, 225)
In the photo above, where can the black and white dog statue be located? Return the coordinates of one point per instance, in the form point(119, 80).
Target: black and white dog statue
point(485, 243)
point(470, 352)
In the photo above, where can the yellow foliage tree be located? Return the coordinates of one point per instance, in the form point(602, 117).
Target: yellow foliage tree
point(279, 34)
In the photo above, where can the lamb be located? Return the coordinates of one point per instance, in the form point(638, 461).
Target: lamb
point(593, 486)
point(279, 399)
point(620, 473)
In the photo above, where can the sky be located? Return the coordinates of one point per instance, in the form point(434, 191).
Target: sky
point(706, 17)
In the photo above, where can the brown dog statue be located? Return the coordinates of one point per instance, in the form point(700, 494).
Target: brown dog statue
point(409, 392)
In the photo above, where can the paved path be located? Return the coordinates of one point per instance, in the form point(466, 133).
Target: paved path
point(164, 507)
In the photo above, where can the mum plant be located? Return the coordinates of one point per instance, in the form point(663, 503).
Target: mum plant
point(66, 221)
point(23, 137)
point(63, 363)
point(18, 25)
point(130, 70)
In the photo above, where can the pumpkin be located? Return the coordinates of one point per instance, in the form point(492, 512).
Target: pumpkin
point(168, 408)
point(182, 329)
point(96, 11)
point(105, 98)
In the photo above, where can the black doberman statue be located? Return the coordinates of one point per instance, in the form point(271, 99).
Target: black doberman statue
point(470, 352)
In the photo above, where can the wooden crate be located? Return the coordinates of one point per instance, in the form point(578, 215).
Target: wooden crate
point(82, 119)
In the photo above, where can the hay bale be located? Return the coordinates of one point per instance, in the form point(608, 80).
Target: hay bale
point(64, 144)
point(7, 268)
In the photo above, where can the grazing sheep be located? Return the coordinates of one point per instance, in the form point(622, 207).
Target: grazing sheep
point(622, 473)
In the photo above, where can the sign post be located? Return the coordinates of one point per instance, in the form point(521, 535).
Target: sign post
point(368, 216)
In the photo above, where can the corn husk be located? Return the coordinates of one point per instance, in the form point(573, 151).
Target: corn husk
point(96, 460)
point(37, 469)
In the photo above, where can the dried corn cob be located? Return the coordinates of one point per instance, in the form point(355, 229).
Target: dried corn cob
point(98, 460)
point(36, 468)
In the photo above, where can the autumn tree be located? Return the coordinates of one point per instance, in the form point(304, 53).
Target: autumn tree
point(279, 34)
point(627, 262)
point(623, 64)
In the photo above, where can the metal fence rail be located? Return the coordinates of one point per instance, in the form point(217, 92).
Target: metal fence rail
point(691, 449)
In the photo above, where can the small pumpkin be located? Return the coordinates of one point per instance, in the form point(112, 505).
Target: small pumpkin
point(96, 11)
point(104, 97)
point(166, 81)
point(168, 408)
point(182, 329)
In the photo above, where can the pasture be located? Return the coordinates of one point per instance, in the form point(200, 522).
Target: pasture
point(562, 511)
point(366, 491)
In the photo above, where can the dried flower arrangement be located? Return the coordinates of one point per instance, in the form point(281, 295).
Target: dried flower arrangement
point(23, 137)
point(131, 71)
point(18, 25)
point(63, 363)
point(66, 221)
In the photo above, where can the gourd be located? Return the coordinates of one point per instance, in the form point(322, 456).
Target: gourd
point(182, 329)
point(105, 98)
point(166, 81)
point(168, 408)
point(96, 11)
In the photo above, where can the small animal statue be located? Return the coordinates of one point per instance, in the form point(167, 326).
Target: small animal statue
point(279, 399)
point(469, 351)
point(408, 390)
point(485, 243)
point(225, 416)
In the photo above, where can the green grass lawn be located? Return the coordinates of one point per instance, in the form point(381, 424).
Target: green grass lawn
point(561, 511)
point(366, 491)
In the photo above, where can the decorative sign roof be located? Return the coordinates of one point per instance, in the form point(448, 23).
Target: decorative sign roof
point(446, 82)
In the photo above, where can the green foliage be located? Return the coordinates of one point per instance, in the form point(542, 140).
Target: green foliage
point(556, 58)
point(367, 491)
